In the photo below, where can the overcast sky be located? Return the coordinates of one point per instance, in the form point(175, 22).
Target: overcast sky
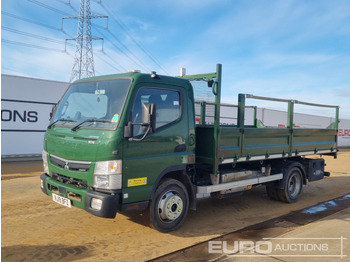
point(287, 49)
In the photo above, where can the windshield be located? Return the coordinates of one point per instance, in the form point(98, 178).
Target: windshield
point(92, 104)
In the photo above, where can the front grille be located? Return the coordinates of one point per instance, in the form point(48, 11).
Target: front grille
point(70, 164)
point(70, 180)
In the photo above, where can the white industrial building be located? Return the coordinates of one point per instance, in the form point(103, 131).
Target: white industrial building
point(27, 102)
point(25, 110)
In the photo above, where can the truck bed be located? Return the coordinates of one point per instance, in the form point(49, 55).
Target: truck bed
point(218, 144)
point(251, 143)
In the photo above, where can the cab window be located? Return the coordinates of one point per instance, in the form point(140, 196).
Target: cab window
point(168, 106)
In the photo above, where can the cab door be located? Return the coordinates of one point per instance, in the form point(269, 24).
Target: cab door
point(161, 151)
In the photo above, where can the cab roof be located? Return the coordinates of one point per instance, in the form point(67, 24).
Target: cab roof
point(139, 77)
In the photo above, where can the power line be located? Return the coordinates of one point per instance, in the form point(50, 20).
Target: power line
point(133, 59)
point(33, 22)
point(15, 72)
point(68, 4)
point(29, 21)
point(109, 63)
point(31, 45)
point(48, 7)
point(132, 56)
point(27, 63)
point(124, 27)
point(5, 28)
point(59, 29)
point(127, 52)
point(110, 58)
point(83, 59)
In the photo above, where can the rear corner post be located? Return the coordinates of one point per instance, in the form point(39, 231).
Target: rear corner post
point(217, 93)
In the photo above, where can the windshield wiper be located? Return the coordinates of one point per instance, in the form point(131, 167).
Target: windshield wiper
point(74, 128)
point(60, 119)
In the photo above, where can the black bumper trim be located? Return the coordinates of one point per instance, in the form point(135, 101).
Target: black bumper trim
point(135, 206)
point(43, 178)
point(110, 204)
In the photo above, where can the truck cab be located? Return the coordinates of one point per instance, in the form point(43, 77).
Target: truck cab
point(111, 139)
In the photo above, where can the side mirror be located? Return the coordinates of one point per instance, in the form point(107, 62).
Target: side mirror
point(149, 117)
point(148, 123)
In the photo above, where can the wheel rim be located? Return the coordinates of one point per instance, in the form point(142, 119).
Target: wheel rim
point(294, 185)
point(170, 206)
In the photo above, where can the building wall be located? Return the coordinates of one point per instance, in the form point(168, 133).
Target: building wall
point(276, 118)
point(26, 104)
point(344, 133)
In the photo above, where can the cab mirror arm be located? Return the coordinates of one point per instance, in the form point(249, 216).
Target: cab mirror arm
point(128, 130)
point(148, 123)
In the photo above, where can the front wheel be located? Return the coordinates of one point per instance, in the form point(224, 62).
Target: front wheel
point(292, 186)
point(169, 207)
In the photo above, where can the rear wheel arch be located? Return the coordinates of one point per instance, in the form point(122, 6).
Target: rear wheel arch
point(285, 169)
point(290, 187)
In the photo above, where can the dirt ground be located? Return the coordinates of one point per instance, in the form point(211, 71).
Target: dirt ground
point(34, 228)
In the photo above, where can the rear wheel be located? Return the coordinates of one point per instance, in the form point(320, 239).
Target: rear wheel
point(292, 185)
point(169, 207)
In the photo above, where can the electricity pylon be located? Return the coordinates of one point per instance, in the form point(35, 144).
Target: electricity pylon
point(83, 58)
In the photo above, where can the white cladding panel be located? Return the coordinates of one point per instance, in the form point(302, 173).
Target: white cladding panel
point(26, 104)
point(20, 143)
point(31, 89)
point(344, 133)
point(275, 118)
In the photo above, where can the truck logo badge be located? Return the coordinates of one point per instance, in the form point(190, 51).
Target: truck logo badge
point(66, 166)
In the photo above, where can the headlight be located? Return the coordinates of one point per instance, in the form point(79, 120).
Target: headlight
point(108, 174)
point(45, 164)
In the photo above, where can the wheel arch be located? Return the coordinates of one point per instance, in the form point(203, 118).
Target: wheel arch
point(285, 169)
point(180, 174)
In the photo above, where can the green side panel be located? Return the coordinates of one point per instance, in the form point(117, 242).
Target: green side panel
point(229, 143)
point(314, 139)
point(148, 166)
point(235, 143)
point(205, 144)
point(258, 141)
point(158, 153)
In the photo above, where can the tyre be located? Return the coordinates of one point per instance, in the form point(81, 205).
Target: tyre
point(169, 207)
point(293, 185)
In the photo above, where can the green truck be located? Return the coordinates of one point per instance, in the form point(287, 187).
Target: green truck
point(139, 141)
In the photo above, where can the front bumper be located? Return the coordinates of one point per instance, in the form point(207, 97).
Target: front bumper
point(82, 197)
